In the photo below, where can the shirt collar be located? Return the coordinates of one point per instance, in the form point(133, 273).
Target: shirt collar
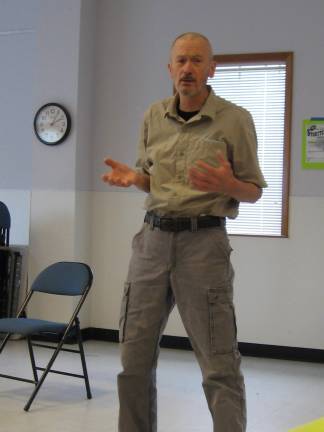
point(207, 110)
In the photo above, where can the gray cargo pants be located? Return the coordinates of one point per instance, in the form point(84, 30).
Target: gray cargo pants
point(193, 270)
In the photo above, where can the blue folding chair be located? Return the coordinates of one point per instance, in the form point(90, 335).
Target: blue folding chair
point(65, 279)
point(6, 256)
point(5, 222)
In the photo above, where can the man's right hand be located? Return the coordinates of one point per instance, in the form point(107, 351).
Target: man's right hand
point(121, 174)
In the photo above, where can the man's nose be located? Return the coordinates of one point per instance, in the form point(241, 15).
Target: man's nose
point(187, 67)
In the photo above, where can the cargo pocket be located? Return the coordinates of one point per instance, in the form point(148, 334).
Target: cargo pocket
point(123, 312)
point(222, 322)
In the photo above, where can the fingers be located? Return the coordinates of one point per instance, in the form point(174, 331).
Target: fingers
point(205, 166)
point(195, 174)
point(110, 162)
point(220, 158)
point(114, 180)
point(120, 175)
point(222, 161)
point(117, 166)
point(200, 183)
point(208, 178)
point(106, 178)
point(200, 180)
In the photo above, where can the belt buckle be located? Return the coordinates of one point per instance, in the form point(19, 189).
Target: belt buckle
point(164, 224)
point(174, 224)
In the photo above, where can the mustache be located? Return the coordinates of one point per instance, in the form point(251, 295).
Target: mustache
point(187, 77)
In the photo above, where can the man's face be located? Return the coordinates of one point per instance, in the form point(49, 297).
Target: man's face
point(190, 66)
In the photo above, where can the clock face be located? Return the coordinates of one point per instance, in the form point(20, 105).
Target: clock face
point(52, 124)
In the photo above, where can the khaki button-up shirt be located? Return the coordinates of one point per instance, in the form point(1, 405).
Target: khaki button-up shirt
point(169, 146)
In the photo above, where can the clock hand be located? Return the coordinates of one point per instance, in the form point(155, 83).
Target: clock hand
point(57, 120)
point(54, 120)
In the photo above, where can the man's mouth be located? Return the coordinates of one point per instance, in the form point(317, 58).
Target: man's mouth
point(187, 80)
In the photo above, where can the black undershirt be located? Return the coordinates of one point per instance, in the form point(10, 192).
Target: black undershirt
point(186, 115)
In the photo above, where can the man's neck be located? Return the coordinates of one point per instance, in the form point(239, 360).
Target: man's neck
point(187, 103)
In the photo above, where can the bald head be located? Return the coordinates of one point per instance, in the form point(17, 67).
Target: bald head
point(192, 36)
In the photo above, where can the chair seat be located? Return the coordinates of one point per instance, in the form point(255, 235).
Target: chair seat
point(29, 326)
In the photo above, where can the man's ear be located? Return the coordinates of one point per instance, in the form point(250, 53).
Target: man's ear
point(170, 69)
point(212, 69)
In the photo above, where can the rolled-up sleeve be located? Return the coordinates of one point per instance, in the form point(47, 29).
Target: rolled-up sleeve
point(244, 152)
point(142, 164)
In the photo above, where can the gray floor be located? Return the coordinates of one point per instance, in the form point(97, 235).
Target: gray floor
point(281, 394)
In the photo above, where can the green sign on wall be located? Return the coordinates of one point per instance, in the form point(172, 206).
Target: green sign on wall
point(313, 144)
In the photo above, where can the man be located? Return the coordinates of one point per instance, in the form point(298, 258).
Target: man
point(197, 161)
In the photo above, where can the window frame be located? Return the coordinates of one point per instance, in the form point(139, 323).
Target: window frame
point(261, 58)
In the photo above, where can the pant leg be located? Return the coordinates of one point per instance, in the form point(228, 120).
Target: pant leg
point(146, 305)
point(202, 285)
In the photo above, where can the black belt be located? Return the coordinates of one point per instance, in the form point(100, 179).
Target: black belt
point(183, 223)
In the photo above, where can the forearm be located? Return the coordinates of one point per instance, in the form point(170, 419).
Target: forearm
point(142, 182)
point(243, 191)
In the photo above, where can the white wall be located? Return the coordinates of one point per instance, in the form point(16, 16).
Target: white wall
point(279, 283)
point(17, 51)
point(47, 51)
point(60, 202)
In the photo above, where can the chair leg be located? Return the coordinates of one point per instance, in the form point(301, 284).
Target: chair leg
point(32, 359)
point(83, 361)
point(4, 342)
point(44, 375)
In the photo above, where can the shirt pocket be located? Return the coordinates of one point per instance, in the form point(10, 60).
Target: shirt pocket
point(205, 149)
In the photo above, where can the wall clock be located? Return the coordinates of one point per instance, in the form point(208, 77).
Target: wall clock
point(52, 123)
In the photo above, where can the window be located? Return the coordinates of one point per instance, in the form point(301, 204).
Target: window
point(262, 84)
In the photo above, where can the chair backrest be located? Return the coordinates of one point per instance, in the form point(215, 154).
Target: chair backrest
point(64, 278)
point(5, 222)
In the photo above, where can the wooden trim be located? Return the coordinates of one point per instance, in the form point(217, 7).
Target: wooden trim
point(252, 57)
point(287, 144)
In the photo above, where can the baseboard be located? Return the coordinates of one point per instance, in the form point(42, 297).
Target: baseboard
point(246, 349)
point(100, 334)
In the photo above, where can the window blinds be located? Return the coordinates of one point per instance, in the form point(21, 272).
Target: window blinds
point(260, 88)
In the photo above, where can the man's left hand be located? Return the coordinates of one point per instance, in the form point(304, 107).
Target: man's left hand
point(207, 178)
